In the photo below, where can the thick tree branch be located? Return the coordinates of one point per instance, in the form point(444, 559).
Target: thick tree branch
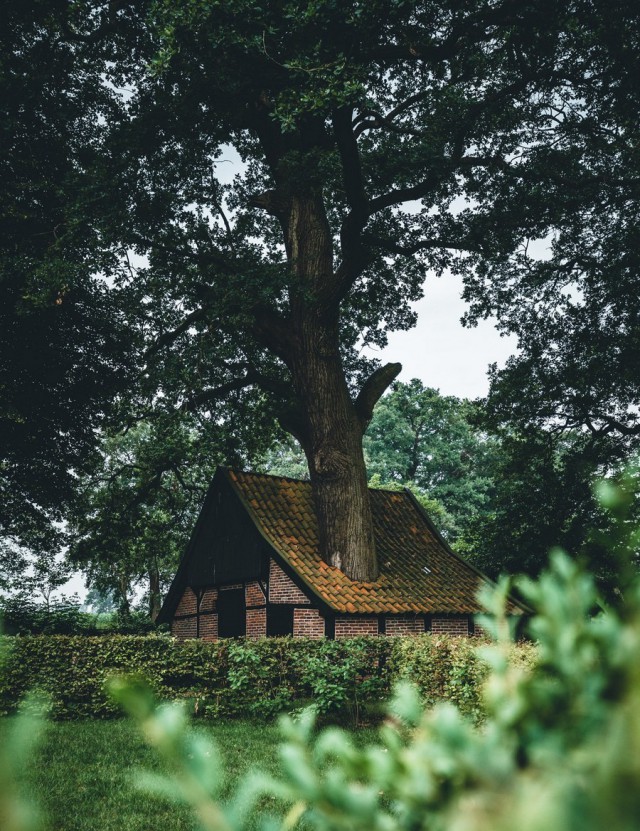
point(449, 165)
point(273, 202)
point(370, 118)
point(614, 425)
point(214, 394)
point(350, 157)
point(289, 414)
point(170, 337)
point(371, 391)
point(353, 256)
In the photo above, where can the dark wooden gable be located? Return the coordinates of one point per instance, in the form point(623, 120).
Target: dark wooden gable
point(225, 547)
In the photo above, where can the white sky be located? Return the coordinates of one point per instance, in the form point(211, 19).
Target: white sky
point(440, 351)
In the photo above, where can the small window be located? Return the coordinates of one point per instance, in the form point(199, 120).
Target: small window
point(279, 620)
point(232, 619)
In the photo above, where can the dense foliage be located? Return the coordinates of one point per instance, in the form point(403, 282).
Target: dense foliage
point(67, 353)
point(21, 614)
point(502, 497)
point(430, 442)
point(377, 140)
point(242, 678)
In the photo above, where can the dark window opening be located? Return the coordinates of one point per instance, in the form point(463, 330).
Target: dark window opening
point(232, 618)
point(279, 620)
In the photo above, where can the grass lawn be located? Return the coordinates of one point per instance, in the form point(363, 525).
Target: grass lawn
point(82, 773)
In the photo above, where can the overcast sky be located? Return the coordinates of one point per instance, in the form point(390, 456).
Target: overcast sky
point(440, 351)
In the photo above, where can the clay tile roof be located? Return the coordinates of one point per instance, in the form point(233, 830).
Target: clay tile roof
point(418, 571)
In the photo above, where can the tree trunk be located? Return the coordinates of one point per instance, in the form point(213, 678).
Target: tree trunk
point(332, 429)
point(154, 591)
point(321, 414)
point(124, 586)
point(333, 446)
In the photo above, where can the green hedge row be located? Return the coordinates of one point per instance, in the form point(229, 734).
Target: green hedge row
point(240, 678)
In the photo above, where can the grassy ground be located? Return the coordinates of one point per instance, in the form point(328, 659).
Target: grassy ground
point(83, 773)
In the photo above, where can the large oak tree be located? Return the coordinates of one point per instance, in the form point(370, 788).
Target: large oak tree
point(361, 127)
point(378, 140)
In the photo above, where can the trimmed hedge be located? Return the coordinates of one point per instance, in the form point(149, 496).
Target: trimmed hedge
point(451, 669)
point(240, 677)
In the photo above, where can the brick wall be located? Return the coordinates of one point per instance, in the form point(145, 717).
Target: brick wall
point(308, 623)
point(354, 627)
point(186, 627)
point(209, 627)
point(183, 628)
point(396, 626)
point(188, 604)
point(257, 623)
point(254, 596)
point(282, 589)
point(450, 625)
point(208, 600)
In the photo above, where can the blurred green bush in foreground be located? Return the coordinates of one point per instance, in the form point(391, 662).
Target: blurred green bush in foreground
point(559, 750)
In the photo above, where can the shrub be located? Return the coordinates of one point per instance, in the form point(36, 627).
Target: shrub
point(450, 669)
point(240, 677)
point(345, 674)
point(22, 615)
point(72, 670)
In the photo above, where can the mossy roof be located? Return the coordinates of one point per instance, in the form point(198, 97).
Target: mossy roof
point(419, 573)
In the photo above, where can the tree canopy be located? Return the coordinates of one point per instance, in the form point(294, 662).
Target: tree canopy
point(67, 352)
point(378, 140)
point(421, 438)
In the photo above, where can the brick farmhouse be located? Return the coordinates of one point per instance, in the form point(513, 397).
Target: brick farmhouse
point(253, 568)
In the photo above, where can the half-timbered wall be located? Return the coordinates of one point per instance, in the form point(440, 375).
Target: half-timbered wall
point(197, 614)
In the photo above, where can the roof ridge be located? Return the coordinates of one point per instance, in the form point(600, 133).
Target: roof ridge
point(264, 475)
point(399, 490)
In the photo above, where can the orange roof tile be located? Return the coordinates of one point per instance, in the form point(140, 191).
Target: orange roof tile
point(418, 572)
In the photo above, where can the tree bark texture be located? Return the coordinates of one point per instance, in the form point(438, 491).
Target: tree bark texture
point(332, 433)
point(155, 597)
